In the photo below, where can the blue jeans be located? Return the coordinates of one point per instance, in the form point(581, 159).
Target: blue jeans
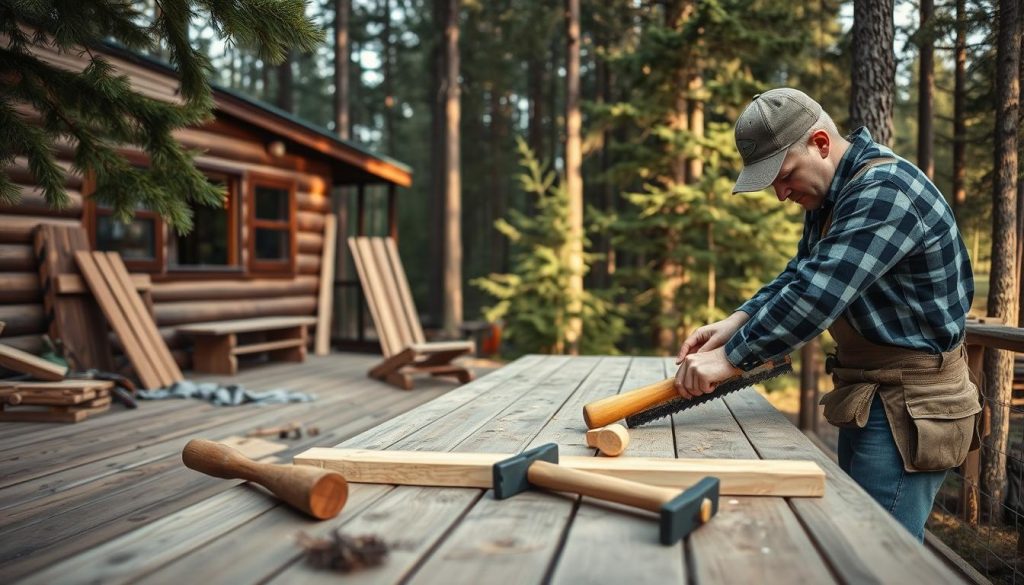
point(869, 455)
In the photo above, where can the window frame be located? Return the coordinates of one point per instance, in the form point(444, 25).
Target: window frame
point(235, 267)
point(93, 212)
point(270, 267)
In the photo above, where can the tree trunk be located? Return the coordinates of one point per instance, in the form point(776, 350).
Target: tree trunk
point(438, 165)
point(573, 175)
point(959, 111)
point(874, 68)
point(341, 69)
point(1002, 298)
point(500, 120)
point(453, 179)
point(925, 89)
point(389, 97)
point(607, 265)
point(284, 98)
point(673, 274)
point(535, 123)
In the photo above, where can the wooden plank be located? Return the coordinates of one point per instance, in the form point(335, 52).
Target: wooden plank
point(861, 541)
point(267, 531)
point(369, 292)
point(763, 535)
point(135, 320)
point(997, 336)
point(72, 284)
point(326, 296)
point(74, 320)
point(402, 319)
point(244, 325)
point(113, 311)
point(588, 555)
point(268, 346)
point(404, 290)
point(466, 415)
point(26, 363)
point(376, 287)
point(750, 477)
point(144, 321)
point(35, 415)
point(515, 540)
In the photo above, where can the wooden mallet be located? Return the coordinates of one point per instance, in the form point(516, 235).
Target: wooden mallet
point(679, 512)
point(314, 490)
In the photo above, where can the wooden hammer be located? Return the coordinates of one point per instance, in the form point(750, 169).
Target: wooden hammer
point(680, 512)
point(316, 491)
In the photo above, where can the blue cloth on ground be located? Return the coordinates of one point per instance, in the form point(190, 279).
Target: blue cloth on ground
point(225, 395)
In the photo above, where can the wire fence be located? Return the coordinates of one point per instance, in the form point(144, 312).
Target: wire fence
point(983, 521)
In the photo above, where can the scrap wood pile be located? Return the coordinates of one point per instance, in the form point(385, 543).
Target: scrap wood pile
point(47, 396)
point(84, 293)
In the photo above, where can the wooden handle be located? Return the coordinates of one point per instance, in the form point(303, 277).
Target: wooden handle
point(608, 410)
point(603, 487)
point(316, 491)
point(611, 440)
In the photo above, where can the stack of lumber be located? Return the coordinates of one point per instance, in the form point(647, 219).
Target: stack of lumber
point(64, 401)
point(125, 311)
point(49, 397)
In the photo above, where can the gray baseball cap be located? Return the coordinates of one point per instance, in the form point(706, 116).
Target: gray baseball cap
point(766, 129)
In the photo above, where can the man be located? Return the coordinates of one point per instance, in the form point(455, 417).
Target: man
point(882, 265)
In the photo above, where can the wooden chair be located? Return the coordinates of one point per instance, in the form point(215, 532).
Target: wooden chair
point(406, 351)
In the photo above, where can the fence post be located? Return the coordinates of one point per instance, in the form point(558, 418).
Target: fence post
point(808, 418)
point(971, 468)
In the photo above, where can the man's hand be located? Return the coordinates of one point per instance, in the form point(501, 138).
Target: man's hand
point(700, 371)
point(712, 336)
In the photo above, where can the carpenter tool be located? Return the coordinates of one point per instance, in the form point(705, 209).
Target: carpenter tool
point(679, 512)
point(660, 399)
point(314, 490)
point(611, 440)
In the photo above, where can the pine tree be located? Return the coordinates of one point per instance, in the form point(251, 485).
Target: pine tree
point(534, 300)
point(97, 110)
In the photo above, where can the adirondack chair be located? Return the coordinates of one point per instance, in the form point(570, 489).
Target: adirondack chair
point(406, 351)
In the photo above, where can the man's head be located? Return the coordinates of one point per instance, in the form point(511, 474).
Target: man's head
point(790, 143)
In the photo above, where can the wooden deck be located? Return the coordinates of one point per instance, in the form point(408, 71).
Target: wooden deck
point(135, 515)
point(66, 488)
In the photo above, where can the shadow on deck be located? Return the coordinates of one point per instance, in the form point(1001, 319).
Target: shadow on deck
point(65, 488)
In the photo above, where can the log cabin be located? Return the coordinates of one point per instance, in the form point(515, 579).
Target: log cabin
point(260, 255)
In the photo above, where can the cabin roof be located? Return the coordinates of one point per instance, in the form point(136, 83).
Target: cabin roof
point(353, 164)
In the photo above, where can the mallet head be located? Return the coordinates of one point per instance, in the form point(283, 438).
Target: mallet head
point(510, 474)
point(689, 510)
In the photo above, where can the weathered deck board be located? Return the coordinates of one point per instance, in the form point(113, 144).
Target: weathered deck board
point(859, 539)
point(109, 496)
point(601, 535)
point(199, 529)
point(763, 535)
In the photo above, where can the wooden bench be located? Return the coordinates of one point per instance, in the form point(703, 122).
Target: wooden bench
point(218, 343)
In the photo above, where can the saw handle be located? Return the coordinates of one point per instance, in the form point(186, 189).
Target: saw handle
point(608, 410)
point(316, 491)
point(554, 477)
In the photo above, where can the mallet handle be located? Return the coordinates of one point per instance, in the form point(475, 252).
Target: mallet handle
point(603, 487)
point(316, 491)
point(608, 410)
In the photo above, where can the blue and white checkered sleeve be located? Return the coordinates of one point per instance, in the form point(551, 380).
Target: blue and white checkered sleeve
point(752, 306)
point(873, 228)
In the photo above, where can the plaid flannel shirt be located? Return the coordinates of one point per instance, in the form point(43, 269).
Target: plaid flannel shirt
point(892, 261)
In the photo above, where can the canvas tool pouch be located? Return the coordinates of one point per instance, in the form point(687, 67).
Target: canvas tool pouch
point(932, 404)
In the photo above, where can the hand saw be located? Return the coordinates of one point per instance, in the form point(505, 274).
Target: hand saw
point(660, 399)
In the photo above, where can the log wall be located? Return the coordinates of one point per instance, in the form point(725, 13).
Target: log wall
point(230, 147)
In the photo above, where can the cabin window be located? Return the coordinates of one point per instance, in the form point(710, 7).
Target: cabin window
point(271, 241)
point(140, 242)
point(212, 245)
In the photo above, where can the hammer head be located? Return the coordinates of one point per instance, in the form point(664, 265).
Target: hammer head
point(510, 474)
point(690, 509)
